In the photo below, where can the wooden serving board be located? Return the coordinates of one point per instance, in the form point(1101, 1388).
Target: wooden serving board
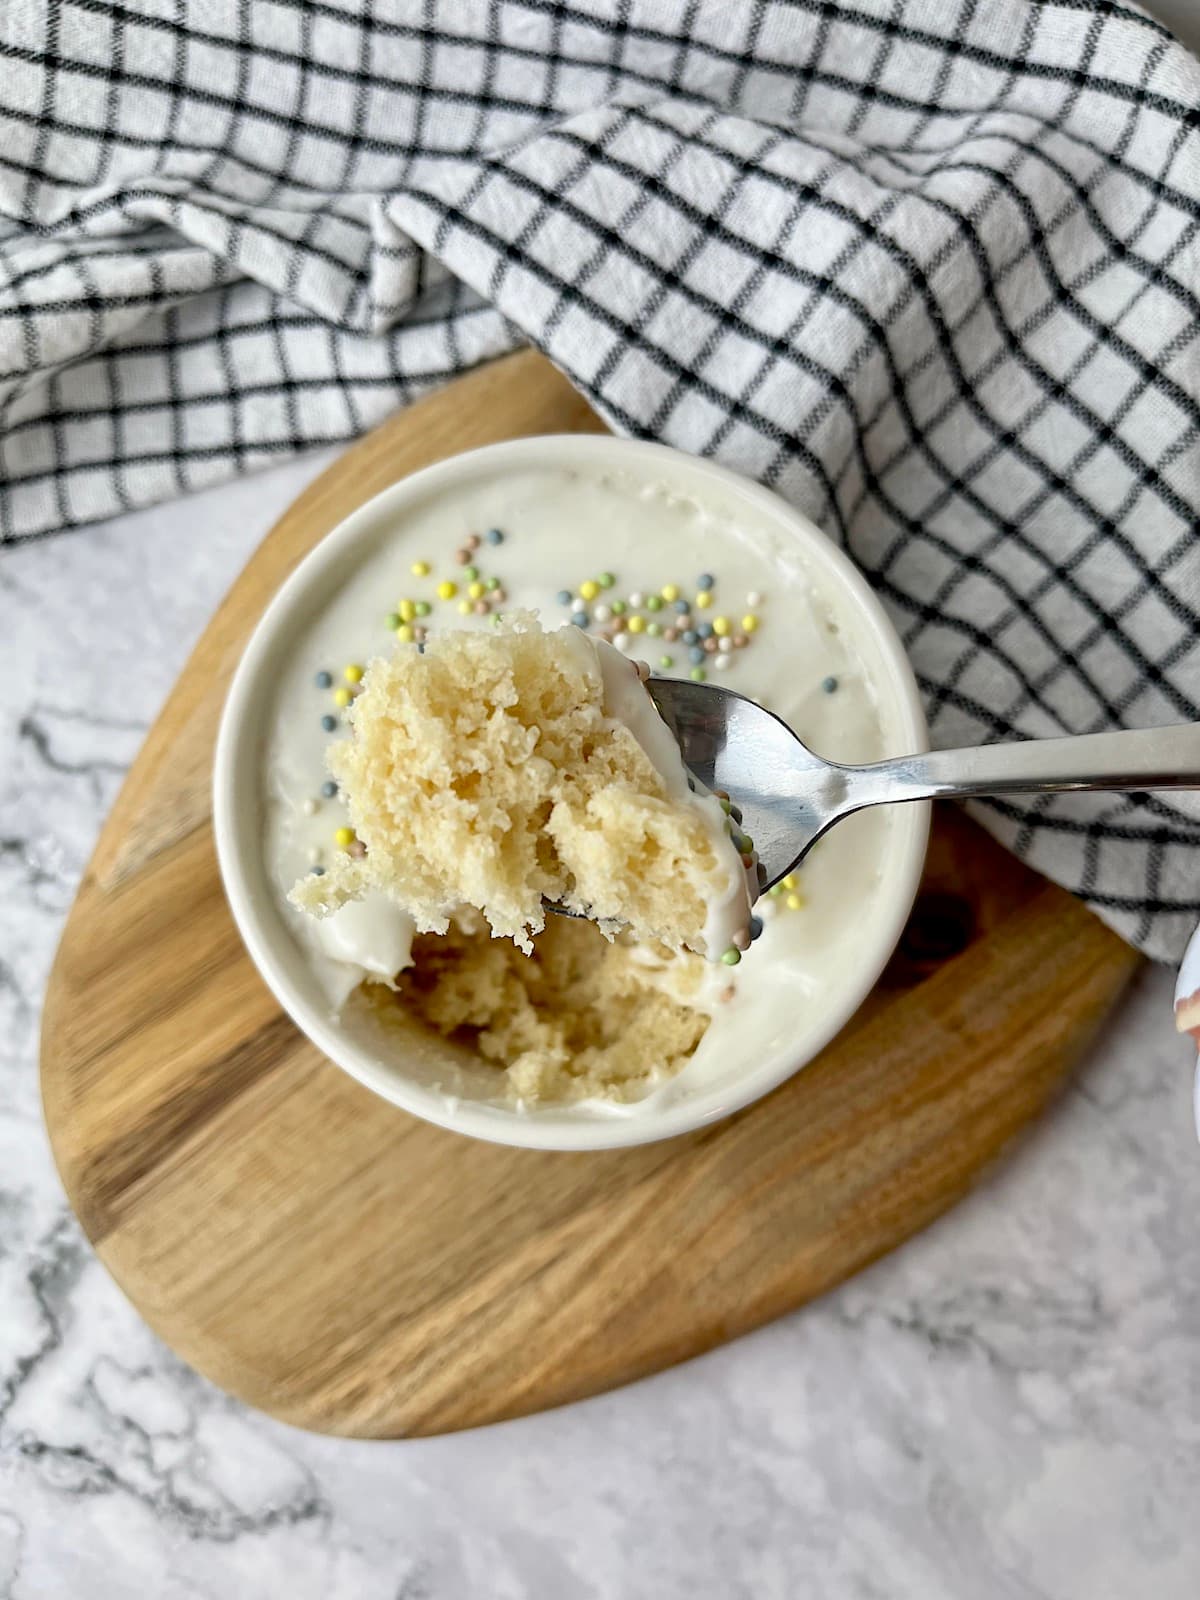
point(346, 1268)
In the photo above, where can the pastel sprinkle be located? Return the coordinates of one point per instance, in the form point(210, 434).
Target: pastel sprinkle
point(666, 661)
point(670, 591)
point(749, 623)
point(790, 882)
point(654, 629)
point(446, 589)
point(589, 589)
point(392, 621)
point(482, 608)
point(618, 608)
point(690, 636)
point(636, 624)
point(606, 580)
point(794, 902)
point(695, 654)
point(721, 626)
point(682, 607)
point(580, 619)
point(756, 927)
point(565, 597)
point(724, 645)
point(829, 685)
point(732, 956)
point(405, 633)
point(464, 608)
point(423, 608)
point(754, 598)
point(318, 872)
point(324, 680)
point(654, 602)
point(344, 837)
point(470, 574)
point(705, 581)
point(462, 556)
point(329, 789)
point(635, 599)
point(328, 723)
point(472, 541)
point(621, 641)
point(601, 612)
point(476, 590)
point(420, 569)
point(741, 939)
point(342, 697)
point(704, 600)
point(494, 536)
point(311, 807)
point(697, 674)
point(491, 583)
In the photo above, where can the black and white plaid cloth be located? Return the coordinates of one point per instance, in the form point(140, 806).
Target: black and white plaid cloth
point(930, 268)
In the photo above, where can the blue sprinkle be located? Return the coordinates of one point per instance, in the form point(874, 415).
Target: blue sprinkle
point(328, 723)
point(829, 685)
point(580, 619)
point(318, 872)
point(329, 789)
point(690, 636)
point(705, 630)
point(696, 655)
point(705, 580)
point(324, 680)
point(494, 536)
point(681, 606)
point(565, 597)
point(756, 927)
point(736, 813)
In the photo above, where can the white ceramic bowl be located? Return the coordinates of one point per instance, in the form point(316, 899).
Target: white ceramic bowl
point(238, 807)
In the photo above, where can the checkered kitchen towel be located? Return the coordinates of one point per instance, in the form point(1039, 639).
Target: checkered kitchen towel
point(929, 267)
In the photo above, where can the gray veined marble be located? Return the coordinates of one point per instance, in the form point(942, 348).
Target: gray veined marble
point(1006, 1409)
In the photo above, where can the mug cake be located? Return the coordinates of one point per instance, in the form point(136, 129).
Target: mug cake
point(450, 730)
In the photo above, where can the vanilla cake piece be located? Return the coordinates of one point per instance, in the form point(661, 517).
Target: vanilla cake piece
point(499, 770)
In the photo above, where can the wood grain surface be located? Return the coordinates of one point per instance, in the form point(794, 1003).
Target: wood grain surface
point(346, 1268)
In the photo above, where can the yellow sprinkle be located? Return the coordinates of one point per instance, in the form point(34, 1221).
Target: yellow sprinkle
point(405, 633)
point(670, 591)
point(406, 610)
point(344, 837)
point(447, 590)
point(475, 590)
point(704, 599)
point(721, 626)
point(790, 882)
point(749, 622)
point(794, 902)
point(464, 608)
point(420, 569)
point(635, 624)
point(342, 697)
point(588, 590)
point(352, 674)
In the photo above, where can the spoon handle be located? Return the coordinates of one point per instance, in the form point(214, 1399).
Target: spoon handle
point(1142, 758)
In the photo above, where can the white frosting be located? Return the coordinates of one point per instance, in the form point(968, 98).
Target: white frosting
point(560, 529)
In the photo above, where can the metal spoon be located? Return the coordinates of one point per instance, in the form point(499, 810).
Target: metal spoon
point(789, 797)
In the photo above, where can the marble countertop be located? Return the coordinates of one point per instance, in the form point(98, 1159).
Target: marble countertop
point(1007, 1408)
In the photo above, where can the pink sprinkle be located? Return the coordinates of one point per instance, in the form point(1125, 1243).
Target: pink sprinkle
point(473, 541)
point(740, 641)
point(462, 557)
point(710, 647)
point(482, 608)
point(670, 635)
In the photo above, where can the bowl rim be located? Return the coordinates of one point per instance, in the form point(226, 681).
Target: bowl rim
point(261, 927)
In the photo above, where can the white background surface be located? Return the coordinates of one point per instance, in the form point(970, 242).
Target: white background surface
point(1007, 1408)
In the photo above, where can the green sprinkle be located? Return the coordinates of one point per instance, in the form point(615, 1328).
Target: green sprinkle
point(731, 957)
point(726, 806)
point(491, 583)
point(617, 607)
point(392, 621)
point(775, 891)
point(666, 661)
point(422, 608)
point(654, 629)
point(606, 580)
point(470, 573)
point(654, 602)
point(747, 844)
point(697, 674)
